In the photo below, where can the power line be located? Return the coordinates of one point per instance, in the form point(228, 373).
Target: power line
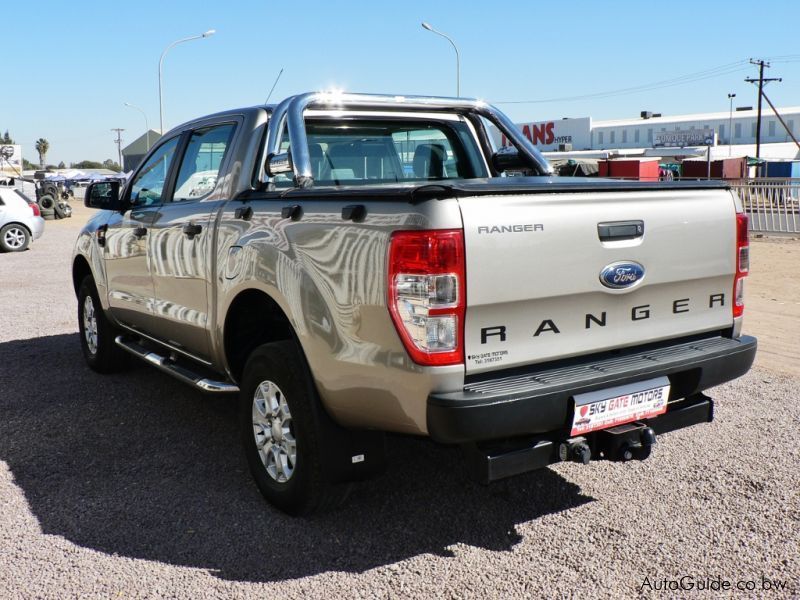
point(710, 73)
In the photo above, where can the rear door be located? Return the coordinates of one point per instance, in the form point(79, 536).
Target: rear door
point(181, 243)
point(535, 265)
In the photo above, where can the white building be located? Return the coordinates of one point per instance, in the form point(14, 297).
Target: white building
point(639, 136)
point(639, 133)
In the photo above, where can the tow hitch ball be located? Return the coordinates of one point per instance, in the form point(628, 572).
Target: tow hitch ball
point(627, 442)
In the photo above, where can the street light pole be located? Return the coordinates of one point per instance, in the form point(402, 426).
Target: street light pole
point(146, 125)
point(730, 123)
point(206, 34)
point(458, 58)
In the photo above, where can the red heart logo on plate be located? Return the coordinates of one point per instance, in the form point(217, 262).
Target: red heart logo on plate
point(584, 410)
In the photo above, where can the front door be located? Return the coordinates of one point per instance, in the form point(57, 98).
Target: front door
point(130, 284)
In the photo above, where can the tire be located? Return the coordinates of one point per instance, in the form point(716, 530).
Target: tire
point(290, 437)
point(14, 238)
point(47, 201)
point(97, 333)
point(58, 209)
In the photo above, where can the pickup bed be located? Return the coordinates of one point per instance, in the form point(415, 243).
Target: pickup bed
point(351, 265)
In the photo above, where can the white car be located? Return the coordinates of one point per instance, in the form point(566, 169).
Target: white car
point(21, 221)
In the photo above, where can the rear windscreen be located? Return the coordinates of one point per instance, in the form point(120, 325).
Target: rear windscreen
point(352, 152)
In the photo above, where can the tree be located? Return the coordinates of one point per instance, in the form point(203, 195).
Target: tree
point(28, 165)
point(7, 139)
point(87, 164)
point(61, 165)
point(42, 146)
point(111, 165)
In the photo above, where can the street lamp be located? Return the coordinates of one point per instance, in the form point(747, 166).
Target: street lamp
point(146, 125)
point(458, 59)
point(206, 34)
point(730, 123)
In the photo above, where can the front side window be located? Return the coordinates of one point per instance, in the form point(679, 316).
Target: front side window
point(201, 163)
point(389, 151)
point(148, 186)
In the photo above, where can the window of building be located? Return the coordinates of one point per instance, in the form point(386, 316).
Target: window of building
point(771, 129)
point(737, 130)
point(611, 137)
point(721, 133)
point(624, 136)
point(636, 136)
point(600, 138)
point(753, 131)
point(790, 124)
point(650, 135)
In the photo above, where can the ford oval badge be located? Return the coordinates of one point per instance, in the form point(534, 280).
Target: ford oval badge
point(622, 275)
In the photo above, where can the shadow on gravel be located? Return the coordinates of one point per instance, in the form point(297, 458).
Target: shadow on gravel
point(140, 466)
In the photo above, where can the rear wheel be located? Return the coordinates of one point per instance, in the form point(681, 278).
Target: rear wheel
point(14, 238)
point(97, 333)
point(281, 421)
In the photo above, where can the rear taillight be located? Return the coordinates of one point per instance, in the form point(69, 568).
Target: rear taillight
point(427, 294)
point(35, 209)
point(742, 263)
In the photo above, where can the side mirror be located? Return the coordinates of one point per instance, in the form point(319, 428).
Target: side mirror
point(103, 195)
point(508, 159)
point(279, 163)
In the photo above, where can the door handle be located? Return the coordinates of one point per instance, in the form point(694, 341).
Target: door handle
point(139, 232)
point(191, 230)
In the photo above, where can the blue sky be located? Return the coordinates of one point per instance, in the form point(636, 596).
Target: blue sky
point(69, 67)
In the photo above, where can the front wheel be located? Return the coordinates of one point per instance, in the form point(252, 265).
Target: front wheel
point(281, 421)
point(97, 333)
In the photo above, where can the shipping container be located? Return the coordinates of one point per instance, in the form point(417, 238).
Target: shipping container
point(726, 168)
point(784, 169)
point(643, 170)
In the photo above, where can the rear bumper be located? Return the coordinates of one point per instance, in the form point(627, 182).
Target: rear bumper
point(539, 401)
point(37, 227)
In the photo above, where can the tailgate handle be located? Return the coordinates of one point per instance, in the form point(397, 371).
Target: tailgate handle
point(620, 230)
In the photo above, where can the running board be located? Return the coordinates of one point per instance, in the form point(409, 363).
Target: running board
point(180, 372)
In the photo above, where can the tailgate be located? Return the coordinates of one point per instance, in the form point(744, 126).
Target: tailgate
point(534, 264)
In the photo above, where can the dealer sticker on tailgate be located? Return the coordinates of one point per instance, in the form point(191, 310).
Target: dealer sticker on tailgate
point(622, 404)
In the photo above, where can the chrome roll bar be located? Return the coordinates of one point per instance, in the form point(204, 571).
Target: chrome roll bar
point(290, 114)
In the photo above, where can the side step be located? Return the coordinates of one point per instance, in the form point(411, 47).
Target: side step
point(186, 375)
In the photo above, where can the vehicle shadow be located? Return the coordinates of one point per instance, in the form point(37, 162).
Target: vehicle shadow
point(139, 465)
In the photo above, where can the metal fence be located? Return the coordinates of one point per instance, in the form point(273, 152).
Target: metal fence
point(772, 204)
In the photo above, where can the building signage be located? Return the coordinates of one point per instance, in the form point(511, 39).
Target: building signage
point(682, 138)
point(550, 135)
point(10, 160)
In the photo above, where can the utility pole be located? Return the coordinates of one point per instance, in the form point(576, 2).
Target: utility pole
point(119, 145)
point(761, 81)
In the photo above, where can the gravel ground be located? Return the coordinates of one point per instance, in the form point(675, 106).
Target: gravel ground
point(133, 485)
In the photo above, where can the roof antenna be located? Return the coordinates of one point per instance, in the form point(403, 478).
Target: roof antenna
point(273, 86)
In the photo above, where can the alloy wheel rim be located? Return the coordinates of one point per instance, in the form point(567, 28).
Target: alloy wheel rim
point(273, 431)
point(14, 238)
point(90, 325)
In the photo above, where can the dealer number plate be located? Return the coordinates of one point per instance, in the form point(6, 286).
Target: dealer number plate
point(622, 404)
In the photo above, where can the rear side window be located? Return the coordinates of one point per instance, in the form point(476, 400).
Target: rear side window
point(353, 152)
point(201, 162)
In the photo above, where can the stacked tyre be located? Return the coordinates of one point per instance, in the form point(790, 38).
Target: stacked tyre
point(47, 205)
